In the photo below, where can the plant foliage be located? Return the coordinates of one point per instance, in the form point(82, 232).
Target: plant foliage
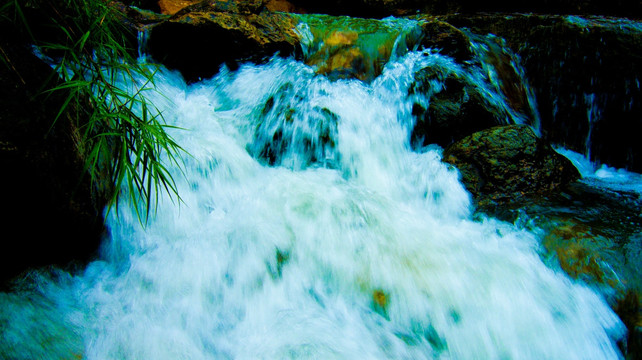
point(120, 134)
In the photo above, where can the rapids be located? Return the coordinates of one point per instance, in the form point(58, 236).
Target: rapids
point(343, 242)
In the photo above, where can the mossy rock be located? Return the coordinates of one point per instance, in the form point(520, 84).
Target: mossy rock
point(507, 162)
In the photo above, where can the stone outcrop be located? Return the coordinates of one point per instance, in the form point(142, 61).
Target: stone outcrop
point(482, 85)
point(383, 8)
point(49, 214)
point(507, 162)
point(448, 39)
point(586, 76)
point(201, 37)
point(455, 109)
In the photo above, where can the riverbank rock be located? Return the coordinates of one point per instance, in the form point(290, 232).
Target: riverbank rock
point(508, 162)
point(199, 38)
point(586, 76)
point(49, 215)
point(455, 108)
point(478, 85)
point(447, 39)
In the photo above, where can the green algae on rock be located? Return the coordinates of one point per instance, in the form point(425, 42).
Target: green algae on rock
point(506, 162)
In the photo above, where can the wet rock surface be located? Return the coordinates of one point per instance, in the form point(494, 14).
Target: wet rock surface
point(201, 37)
point(293, 135)
point(455, 109)
point(585, 74)
point(507, 162)
point(594, 235)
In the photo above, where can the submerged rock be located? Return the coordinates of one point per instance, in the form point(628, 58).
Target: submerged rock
point(351, 48)
point(594, 235)
point(507, 162)
point(455, 108)
point(201, 37)
point(293, 134)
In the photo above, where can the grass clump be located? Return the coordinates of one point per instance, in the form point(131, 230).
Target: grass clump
point(121, 136)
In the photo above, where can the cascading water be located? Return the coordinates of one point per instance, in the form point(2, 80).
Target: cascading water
point(337, 242)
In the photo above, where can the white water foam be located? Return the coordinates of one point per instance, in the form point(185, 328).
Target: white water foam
point(602, 175)
point(375, 257)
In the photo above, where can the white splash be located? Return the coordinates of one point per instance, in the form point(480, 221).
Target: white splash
point(602, 175)
point(374, 257)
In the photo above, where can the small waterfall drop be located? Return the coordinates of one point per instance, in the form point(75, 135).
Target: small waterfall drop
point(309, 229)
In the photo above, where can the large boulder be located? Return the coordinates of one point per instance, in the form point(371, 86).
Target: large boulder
point(49, 213)
point(455, 108)
point(449, 40)
point(199, 38)
point(507, 162)
point(479, 84)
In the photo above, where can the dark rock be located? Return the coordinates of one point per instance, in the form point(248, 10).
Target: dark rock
point(455, 109)
point(151, 5)
point(293, 135)
point(450, 41)
point(201, 37)
point(49, 214)
point(482, 86)
point(507, 162)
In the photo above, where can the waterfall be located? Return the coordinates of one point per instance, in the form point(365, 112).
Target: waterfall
point(308, 228)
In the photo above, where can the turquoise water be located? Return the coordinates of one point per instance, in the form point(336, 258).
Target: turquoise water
point(348, 245)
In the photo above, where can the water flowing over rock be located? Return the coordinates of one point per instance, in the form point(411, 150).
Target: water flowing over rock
point(352, 48)
point(318, 219)
point(507, 162)
point(586, 75)
point(446, 38)
point(479, 84)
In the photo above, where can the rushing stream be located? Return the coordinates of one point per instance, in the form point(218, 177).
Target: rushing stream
point(309, 228)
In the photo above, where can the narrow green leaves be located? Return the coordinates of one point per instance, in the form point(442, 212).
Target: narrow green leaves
point(121, 135)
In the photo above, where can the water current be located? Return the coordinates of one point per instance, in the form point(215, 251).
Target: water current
point(340, 242)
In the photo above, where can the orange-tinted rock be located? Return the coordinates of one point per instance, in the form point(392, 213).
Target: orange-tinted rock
point(353, 48)
point(339, 57)
point(171, 7)
point(284, 6)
